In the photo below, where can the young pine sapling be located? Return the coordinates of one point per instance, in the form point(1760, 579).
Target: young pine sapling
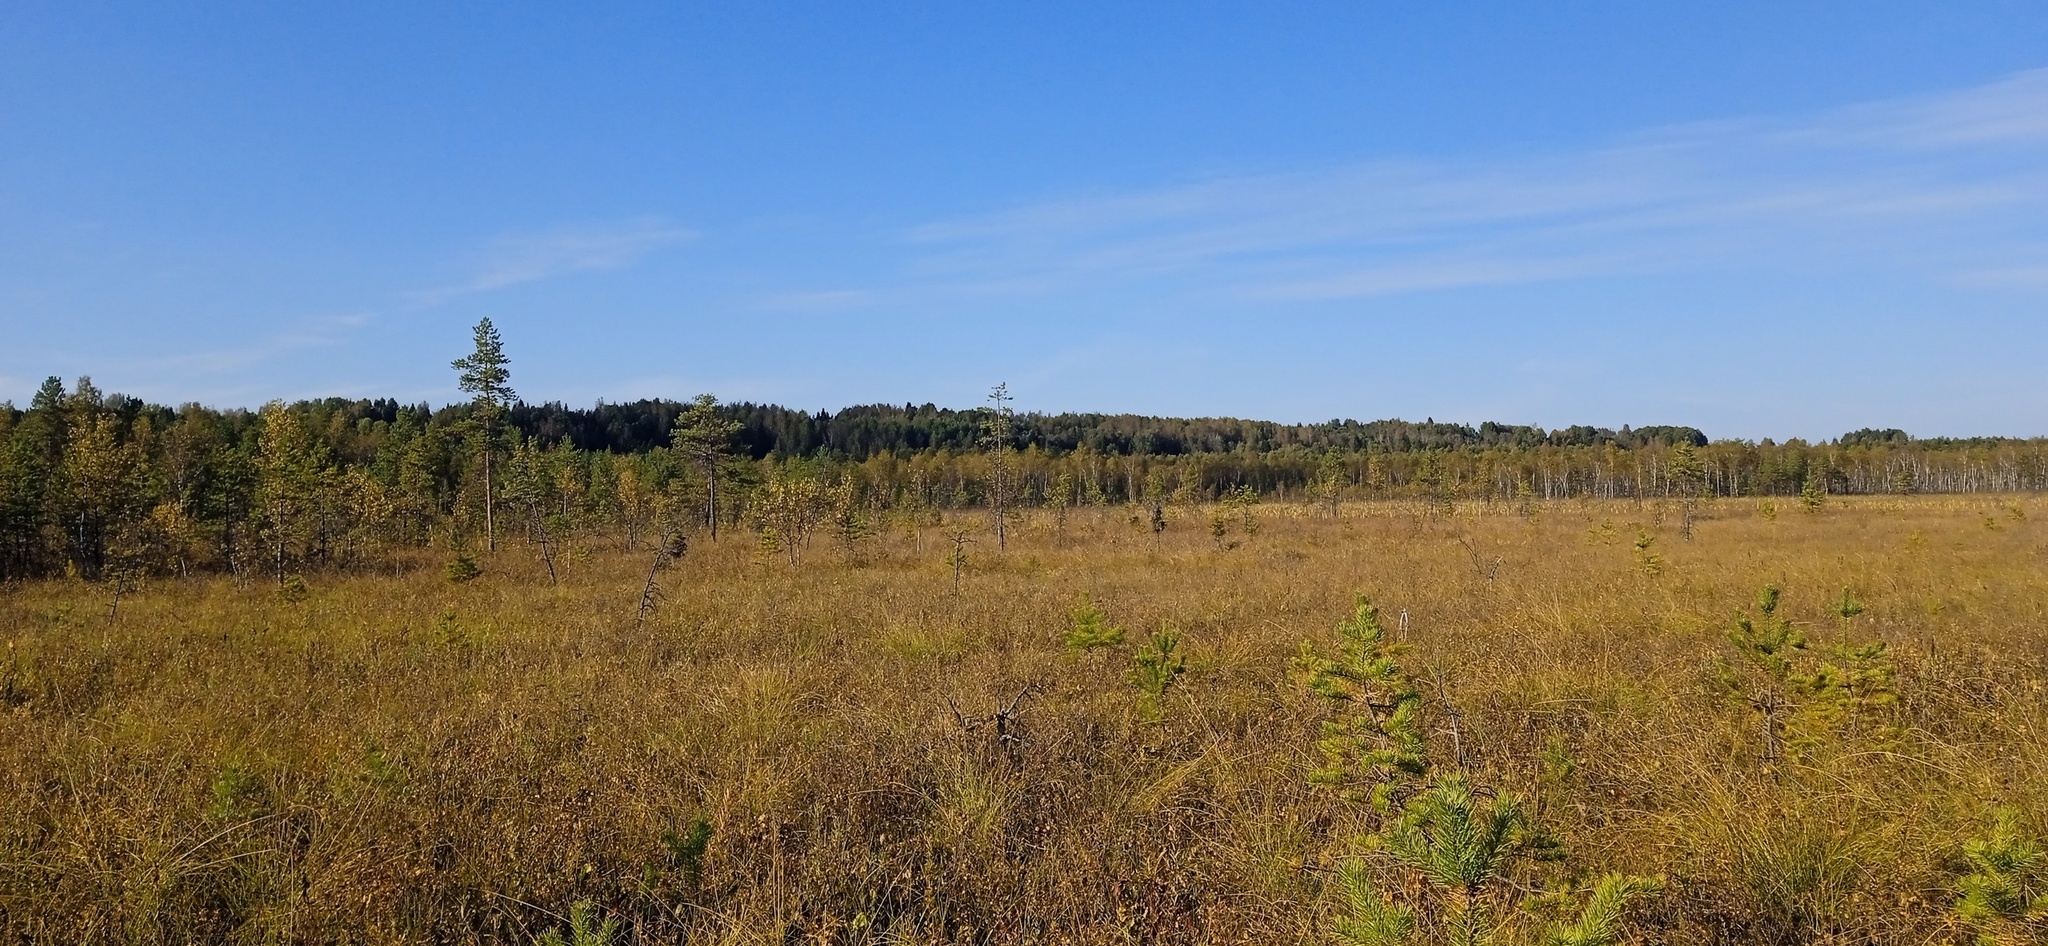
point(1377, 740)
point(1153, 669)
point(1088, 629)
point(2004, 897)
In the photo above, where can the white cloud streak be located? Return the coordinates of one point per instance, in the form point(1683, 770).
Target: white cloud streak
point(526, 258)
point(823, 300)
point(1953, 186)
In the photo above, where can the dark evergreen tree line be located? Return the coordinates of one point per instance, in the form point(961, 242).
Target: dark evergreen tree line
point(103, 485)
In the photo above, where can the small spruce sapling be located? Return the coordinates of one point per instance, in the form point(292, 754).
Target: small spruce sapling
point(1599, 922)
point(2004, 897)
point(1848, 607)
point(584, 929)
point(1369, 917)
point(1458, 841)
point(1378, 739)
point(1154, 667)
point(1648, 561)
point(448, 630)
point(682, 854)
point(1813, 494)
point(1455, 838)
point(1088, 629)
point(461, 567)
point(1801, 697)
point(236, 792)
point(767, 546)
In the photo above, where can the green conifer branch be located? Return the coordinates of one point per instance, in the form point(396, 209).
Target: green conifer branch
point(2004, 898)
point(1599, 922)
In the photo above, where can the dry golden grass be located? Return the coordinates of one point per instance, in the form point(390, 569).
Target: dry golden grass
point(400, 759)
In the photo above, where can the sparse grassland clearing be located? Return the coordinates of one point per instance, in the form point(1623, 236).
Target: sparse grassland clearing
point(913, 737)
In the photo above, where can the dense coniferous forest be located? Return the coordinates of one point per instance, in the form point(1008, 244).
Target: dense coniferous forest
point(90, 480)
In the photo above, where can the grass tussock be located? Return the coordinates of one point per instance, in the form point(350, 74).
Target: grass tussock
point(858, 750)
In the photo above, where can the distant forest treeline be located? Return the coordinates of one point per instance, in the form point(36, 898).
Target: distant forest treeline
point(93, 483)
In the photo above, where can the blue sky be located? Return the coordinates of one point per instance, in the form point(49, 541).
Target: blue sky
point(1763, 219)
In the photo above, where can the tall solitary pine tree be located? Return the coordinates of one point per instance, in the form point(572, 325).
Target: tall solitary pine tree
point(703, 436)
point(485, 377)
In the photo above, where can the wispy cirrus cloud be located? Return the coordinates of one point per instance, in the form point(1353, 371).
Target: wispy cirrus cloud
point(1953, 186)
point(2031, 277)
point(516, 259)
point(214, 375)
point(821, 300)
point(219, 360)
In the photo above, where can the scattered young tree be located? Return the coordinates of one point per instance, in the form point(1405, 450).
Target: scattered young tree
point(851, 522)
point(995, 438)
point(289, 468)
point(703, 435)
point(97, 483)
point(1813, 493)
point(1328, 486)
point(2004, 897)
point(791, 507)
point(1376, 742)
point(1686, 477)
point(1154, 668)
point(673, 545)
point(485, 376)
point(1060, 496)
point(1088, 629)
point(958, 558)
point(176, 490)
point(1453, 838)
point(586, 928)
point(531, 484)
point(1800, 696)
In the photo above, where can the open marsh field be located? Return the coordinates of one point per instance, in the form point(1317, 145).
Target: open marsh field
point(868, 748)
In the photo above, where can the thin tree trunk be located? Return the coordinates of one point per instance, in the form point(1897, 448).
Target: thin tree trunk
point(547, 552)
point(279, 512)
point(490, 523)
point(711, 477)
